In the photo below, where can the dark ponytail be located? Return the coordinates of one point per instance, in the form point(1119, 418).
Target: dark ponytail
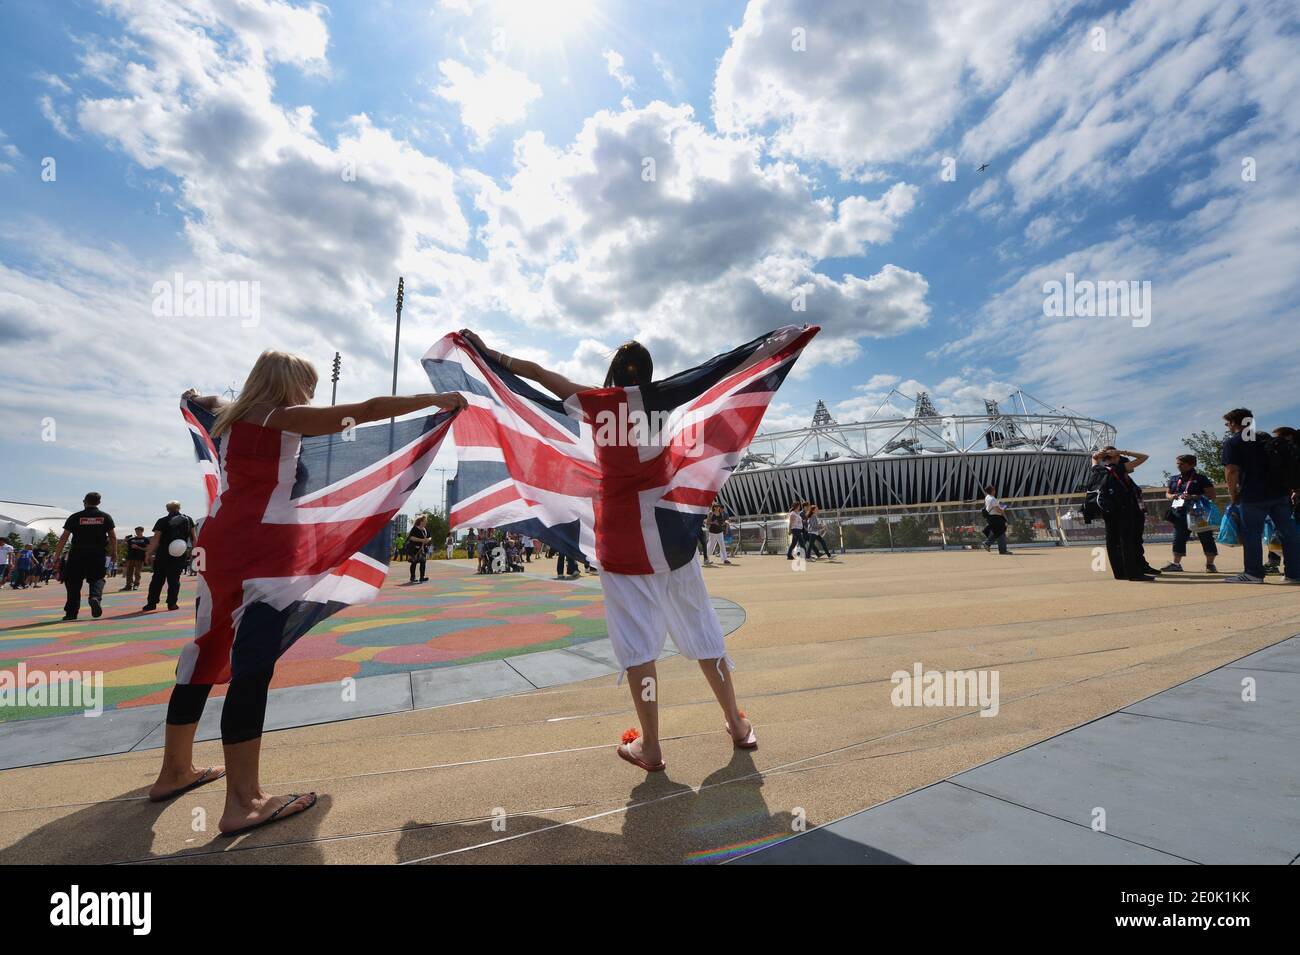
point(630, 366)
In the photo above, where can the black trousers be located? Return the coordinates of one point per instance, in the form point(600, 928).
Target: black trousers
point(166, 568)
point(560, 561)
point(796, 540)
point(418, 560)
point(244, 712)
point(1124, 544)
point(82, 567)
point(814, 541)
point(1182, 534)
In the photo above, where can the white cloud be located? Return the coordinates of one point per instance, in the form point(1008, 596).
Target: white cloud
point(499, 96)
point(648, 224)
point(1172, 76)
point(666, 72)
point(53, 116)
point(323, 228)
point(875, 82)
point(9, 151)
point(614, 64)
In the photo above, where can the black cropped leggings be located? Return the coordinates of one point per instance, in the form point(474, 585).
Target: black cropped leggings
point(242, 717)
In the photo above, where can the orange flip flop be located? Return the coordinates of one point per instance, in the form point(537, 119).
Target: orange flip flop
point(625, 753)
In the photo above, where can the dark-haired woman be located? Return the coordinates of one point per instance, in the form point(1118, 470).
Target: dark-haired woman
point(418, 540)
point(642, 609)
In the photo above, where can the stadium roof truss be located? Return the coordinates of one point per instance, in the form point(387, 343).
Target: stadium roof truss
point(922, 456)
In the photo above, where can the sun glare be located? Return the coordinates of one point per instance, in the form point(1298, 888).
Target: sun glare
point(539, 23)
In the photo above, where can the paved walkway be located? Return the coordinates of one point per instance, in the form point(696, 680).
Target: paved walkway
point(1204, 772)
point(532, 777)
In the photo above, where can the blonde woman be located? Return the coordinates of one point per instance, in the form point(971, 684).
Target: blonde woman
point(261, 436)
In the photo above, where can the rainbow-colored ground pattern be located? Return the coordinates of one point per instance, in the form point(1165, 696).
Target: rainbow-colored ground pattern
point(456, 617)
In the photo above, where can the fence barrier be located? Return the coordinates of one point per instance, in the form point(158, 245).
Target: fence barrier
point(1047, 520)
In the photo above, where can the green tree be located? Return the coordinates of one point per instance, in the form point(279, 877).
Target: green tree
point(880, 535)
point(438, 530)
point(911, 532)
point(1208, 449)
point(14, 540)
point(1022, 532)
point(51, 541)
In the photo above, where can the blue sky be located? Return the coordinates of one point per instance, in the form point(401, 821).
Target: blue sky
point(493, 152)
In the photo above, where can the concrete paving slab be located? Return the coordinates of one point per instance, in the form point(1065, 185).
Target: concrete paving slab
point(1216, 700)
point(1192, 773)
point(555, 667)
point(945, 824)
point(308, 705)
point(1284, 656)
point(29, 742)
point(460, 684)
point(1190, 789)
point(814, 660)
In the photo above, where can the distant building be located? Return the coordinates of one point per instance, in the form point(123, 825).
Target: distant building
point(453, 493)
point(31, 522)
point(897, 456)
point(401, 523)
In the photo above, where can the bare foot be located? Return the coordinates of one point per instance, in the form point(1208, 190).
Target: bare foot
point(642, 752)
point(745, 727)
point(243, 815)
point(170, 781)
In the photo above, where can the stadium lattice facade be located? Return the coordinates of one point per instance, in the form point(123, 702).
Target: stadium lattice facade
point(918, 458)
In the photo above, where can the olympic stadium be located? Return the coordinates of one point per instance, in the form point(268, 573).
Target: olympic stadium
point(1022, 445)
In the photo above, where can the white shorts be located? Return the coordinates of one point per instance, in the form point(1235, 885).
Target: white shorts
point(642, 609)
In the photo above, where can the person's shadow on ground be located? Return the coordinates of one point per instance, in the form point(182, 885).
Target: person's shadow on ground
point(663, 821)
point(126, 827)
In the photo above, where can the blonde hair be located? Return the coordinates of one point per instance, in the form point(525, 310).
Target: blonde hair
point(277, 378)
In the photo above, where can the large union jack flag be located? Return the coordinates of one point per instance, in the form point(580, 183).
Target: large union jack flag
point(297, 528)
point(619, 477)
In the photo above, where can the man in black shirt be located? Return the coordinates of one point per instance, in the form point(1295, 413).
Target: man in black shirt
point(1257, 494)
point(166, 566)
point(93, 540)
point(136, 546)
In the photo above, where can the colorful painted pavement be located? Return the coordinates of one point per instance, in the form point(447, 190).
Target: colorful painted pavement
point(456, 617)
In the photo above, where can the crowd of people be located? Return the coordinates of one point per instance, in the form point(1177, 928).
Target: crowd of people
point(26, 566)
point(86, 556)
point(1262, 478)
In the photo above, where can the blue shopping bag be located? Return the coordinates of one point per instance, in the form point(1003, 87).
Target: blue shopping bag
point(1198, 517)
point(1229, 527)
point(1212, 512)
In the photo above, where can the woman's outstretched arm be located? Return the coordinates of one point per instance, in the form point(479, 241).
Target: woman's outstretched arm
point(210, 402)
point(309, 420)
point(552, 381)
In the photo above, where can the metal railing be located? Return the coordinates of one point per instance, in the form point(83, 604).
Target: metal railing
point(1045, 520)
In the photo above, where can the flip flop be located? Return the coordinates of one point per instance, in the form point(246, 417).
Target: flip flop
point(625, 753)
point(203, 780)
point(275, 816)
point(750, 741)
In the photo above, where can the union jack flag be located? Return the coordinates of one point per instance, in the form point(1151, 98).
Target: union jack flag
point(297, 529)
point(619, 477)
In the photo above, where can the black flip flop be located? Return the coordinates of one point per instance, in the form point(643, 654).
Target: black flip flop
point(203, 780)
point(275, 816)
